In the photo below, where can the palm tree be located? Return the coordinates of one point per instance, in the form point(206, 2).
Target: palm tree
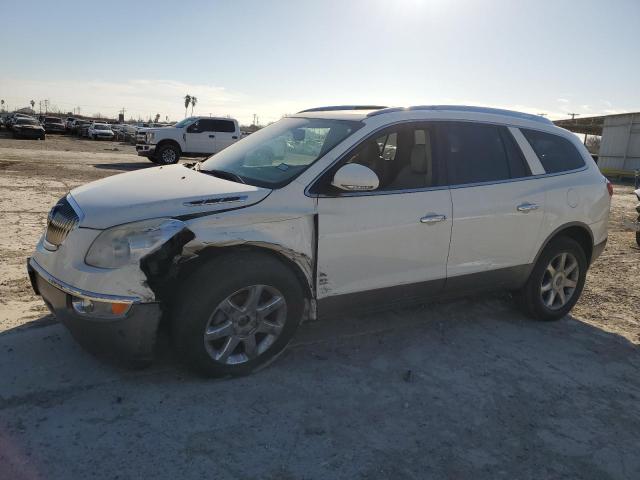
point(194, 100)
point(187, 102)
point(33, 104)
point(157, 117)
point(2, 105)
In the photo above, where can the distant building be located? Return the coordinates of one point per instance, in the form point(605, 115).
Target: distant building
point(620, 147)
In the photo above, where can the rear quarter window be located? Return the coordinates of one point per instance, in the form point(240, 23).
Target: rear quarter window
point(557, 154)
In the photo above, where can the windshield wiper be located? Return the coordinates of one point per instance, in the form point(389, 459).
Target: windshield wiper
point(222, 174)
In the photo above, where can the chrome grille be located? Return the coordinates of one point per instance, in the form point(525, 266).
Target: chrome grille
point(61, 220)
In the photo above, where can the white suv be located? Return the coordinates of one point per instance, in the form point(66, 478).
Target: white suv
point(331, 209)
point(192, 137)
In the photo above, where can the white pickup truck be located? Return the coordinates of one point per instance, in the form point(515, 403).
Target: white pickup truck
point(193, 136)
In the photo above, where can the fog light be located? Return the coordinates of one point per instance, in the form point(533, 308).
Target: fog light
point(84, 306)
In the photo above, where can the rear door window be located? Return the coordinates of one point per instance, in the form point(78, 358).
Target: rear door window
point(478, 153)
point(226, 126)
point(556, 154)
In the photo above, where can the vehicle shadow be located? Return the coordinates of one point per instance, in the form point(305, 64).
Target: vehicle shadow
point(449, 390)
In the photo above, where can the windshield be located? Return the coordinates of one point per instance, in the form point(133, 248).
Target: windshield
point(275, 155)
point(185, 122)
point(52, 120)
point(101, 126)
point(26, 121)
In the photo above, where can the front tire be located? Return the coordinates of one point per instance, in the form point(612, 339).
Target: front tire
point(167, 154)
point(242, 320)
point(556, 282)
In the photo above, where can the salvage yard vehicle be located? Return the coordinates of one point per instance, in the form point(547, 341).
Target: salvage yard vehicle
point(193, 136)
point(27, 127)
point(53, 125)
point(11, 119)
point(83, 129)
point(100, 131)
point(329, 210)
point(77, 125)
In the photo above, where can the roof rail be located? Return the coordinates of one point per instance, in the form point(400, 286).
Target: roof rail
point(332, 108)
point(466, 108)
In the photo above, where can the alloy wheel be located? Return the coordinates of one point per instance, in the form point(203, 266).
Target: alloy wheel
point(245, 324)
point(559, 281)
point(169, 156)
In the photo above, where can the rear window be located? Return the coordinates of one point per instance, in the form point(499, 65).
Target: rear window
point(477, 153)
point(556, 154)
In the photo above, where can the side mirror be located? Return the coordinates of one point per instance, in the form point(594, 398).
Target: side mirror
point(354, 177)
point(193, 128)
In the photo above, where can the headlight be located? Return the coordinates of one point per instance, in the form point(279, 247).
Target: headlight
point(125, 244)
point(150, 137)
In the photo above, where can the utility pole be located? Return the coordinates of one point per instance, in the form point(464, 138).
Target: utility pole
point(46, 106)
point(254, 118)
point(573, 115)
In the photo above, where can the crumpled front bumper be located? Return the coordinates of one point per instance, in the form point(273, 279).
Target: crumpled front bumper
point(129, 338)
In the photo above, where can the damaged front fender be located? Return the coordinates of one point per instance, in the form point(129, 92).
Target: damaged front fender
point(290, 238)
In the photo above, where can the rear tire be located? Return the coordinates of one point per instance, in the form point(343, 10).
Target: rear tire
point(556, 281)
point(167, 154)
point(240, 341)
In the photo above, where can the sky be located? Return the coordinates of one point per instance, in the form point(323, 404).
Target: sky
point(272, 58)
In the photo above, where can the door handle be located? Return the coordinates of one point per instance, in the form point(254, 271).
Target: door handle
point(433, 218)
point(212, 136)
point(527, 207)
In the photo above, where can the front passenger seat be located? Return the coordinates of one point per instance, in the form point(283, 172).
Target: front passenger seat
point(419, 172)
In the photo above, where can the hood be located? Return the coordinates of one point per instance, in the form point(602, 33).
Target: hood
point(158, 192)
point(152, 129)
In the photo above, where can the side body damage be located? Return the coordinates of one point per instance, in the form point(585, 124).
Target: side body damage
point(291, 238)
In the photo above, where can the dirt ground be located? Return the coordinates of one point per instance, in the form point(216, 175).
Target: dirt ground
point(463, 389)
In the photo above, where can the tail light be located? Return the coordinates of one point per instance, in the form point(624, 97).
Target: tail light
point(610, 188)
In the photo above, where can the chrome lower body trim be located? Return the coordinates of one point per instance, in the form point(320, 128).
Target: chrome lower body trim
point(78, 292)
